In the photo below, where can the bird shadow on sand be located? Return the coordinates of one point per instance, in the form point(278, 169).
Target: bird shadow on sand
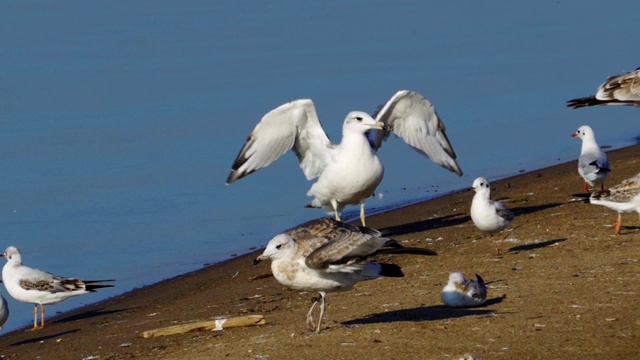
point(422, 225)
point(523, 210)
point(539, 245)
point(88, 315)
point(426, 313)
point(44, 338)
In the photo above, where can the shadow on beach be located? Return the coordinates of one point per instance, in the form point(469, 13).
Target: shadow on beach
point(426, 313)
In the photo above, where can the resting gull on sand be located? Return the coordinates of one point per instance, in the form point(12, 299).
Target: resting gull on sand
point(35, 286)
point(623, 198)
point(327, 255)
point(348, 172)
point(616, 90)
point(461, 292)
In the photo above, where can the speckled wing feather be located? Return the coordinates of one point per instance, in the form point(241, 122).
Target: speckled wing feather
point(616, 90)
point(623, 192)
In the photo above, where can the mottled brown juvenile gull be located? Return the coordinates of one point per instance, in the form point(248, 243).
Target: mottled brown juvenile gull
point(35, 286)
point(461, 292)
point(326, 255)
point(348, 172)
point(623, 198)
point(616, 90)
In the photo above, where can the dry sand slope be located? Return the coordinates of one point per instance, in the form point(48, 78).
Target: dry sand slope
point(565, 288)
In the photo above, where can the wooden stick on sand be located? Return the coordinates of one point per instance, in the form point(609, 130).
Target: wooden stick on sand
point(211, 325)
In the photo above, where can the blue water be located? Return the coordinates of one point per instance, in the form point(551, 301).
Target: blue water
point(119, 121)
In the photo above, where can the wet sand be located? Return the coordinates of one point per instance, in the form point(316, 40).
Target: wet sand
point(565, 287)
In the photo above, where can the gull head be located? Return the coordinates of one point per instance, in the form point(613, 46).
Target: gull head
point(456, 278)
point(361, 122)
point(280, 246)
point(480, 184)
point(12, 255)
point(582, 132)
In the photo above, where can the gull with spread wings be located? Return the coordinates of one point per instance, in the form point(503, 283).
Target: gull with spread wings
point(348, 172)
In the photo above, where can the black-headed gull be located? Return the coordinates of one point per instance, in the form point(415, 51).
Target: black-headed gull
point(623, 198)
point(616, 90)
point(488, 215)
point(4, 310)
point(461, 292)
point(348, 172)
point(38, 287)
point(593, 164)
point(326, 255)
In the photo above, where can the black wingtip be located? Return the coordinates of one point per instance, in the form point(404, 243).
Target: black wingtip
point(479, 278)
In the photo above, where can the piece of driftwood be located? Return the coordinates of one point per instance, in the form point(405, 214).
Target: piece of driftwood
point(210, 325)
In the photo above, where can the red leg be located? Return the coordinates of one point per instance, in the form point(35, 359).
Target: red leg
point(618, 224)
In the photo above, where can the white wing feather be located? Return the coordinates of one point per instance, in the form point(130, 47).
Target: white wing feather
point(292, 126)
point(413, 118)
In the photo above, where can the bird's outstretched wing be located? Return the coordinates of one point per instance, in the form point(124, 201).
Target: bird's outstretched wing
point(292, 126)
point(414, 119)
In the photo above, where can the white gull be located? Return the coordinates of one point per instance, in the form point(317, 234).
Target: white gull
point(593, 164)
point(38, 287)
point(461, 292)
point(348, 172)
point(616, 90)
point(326, 255)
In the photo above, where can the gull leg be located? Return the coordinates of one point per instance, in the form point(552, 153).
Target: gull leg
point(586, 187)
point(41, 316)
point(362, 212)
point(334, 203)
point(618, 224)
point(35, 316)
point(323, 306)
point(310, 323)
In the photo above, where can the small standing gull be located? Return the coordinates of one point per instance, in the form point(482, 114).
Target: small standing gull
point(488, 215)
point(461, 292)
point(326, 255)
point(616, 90)
point(593, 164)
point(623, 198)
point(348, 172)
point(4, 309)
point(38, 287)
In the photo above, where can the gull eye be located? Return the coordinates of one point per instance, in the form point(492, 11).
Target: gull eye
point(279, 247)
point(359, 118)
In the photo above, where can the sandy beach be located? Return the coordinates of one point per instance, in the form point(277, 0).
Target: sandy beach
point(565, 287)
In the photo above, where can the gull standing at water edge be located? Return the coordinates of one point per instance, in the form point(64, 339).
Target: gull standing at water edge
point(488, 215)
point(326, 255)
point(593, 164)
point(616, 90)
point(349, 172)
point(35, 286)
point(461, 292)
point(623, 198)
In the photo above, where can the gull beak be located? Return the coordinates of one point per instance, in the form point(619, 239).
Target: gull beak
point(258, 259)
point(575, 134)
point(380, 126)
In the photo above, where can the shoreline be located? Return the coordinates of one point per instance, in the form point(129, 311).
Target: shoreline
point(441, 223)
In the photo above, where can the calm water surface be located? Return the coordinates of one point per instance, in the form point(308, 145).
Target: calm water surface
point(119, 121)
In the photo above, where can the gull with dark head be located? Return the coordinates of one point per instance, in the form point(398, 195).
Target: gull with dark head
point(616, 90)
point(327, 255)
point(623, 198)
point(593, 164)
point(348, 172)
point(461, 292)
point(38, 287)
